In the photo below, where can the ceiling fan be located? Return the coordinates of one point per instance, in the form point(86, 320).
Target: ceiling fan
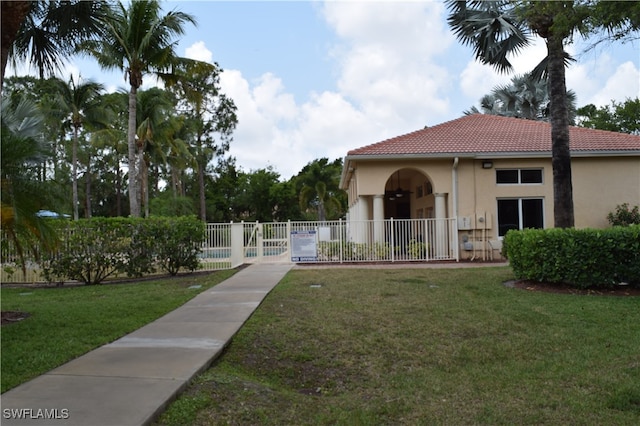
point(398, 192)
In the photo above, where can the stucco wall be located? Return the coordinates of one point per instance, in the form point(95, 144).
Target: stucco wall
point(600, 184)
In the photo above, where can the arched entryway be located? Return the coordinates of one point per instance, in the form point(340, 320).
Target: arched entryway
point(409, 195)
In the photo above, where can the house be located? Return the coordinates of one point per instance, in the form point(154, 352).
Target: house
point(490, 174)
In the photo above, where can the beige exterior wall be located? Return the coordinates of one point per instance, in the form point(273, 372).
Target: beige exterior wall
point(599, 184)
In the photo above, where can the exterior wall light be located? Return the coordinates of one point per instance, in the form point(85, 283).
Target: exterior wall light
point(487, 164)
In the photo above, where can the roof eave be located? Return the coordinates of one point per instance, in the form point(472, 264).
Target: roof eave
point(489, 155)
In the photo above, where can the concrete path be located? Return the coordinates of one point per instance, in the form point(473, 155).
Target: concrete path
point(131, 380)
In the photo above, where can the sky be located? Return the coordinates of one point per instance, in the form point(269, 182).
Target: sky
point(317, 79)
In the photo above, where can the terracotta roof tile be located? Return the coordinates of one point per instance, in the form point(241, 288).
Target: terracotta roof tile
point(482, 133)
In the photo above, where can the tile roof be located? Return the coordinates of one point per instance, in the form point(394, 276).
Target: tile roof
point(491, 134)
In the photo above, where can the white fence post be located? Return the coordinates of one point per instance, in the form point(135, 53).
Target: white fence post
point(237, 244)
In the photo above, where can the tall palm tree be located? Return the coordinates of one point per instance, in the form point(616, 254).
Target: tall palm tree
point(78, 104)
point(45, 32)
point(138, 40)
point(497, 29)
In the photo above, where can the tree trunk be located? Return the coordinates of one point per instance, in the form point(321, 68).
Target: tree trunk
point(134, 199)
point(118, 189)
point(74, 172)
point(87, 212)
point(13, 15)
point(203, 205)
point(560, 154)
point(144, 183)
point(202, 165)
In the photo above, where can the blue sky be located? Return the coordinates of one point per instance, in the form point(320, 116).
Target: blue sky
point(316, 79)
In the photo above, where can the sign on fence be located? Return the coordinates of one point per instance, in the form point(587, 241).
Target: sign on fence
point(304, 246)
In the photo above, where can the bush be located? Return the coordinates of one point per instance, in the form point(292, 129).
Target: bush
point(95, 249)
point(623, 216)
point(582, 258)
point(178, 243)
point(90, 251)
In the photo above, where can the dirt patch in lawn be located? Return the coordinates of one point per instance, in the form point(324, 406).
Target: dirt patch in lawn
point(11, 317)
point(619, 290)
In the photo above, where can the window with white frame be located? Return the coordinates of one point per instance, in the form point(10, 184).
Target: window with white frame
point(520, 213)
point(518, 176)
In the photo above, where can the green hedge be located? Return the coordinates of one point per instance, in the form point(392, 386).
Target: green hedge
point(92, 250)
point(583, 258)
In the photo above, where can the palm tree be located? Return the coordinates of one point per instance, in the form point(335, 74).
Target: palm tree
point(78, 105)
point(498, 28)
point(319, 187)
point(525, 97)
point(138, 40)
point(22, 194)
point(113, 140)
point(47, 32)
point(155, 134)
point(495, 29)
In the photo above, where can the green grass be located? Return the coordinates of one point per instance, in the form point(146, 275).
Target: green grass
point(424, 346)
point(67, 322)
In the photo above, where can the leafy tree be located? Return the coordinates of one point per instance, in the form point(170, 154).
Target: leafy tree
point(47, 32)
point(621, 117)
point(285, 201)
point(257, 194)
point(498, 28)
point(77, 105)
point(525, 97)
point(210, 114)
point(224, 191)
point(138, 40)
point(319, 189)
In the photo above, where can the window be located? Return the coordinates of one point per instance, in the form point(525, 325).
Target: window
point(520, 213)
point(428, 189)
point(518, 176)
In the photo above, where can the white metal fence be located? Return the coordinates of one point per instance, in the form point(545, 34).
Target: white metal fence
point(228, 245)
point(391, 240)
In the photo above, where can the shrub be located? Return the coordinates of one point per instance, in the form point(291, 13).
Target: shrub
point(623, 216)
point(178, 242)
point(417, 249)
point(582, 258)
point(91, 250)
point(95, 249)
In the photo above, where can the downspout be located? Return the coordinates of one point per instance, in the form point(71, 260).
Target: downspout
point(454, 182)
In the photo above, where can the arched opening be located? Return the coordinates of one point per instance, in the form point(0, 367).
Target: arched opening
point(408, 195)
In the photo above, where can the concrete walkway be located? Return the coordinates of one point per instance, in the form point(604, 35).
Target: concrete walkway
point(131, 380)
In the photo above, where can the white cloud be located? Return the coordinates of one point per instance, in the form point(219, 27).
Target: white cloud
point(477, 80)
point(620, 83)
point(398, 68)
point(390, 80)
point(199, 52)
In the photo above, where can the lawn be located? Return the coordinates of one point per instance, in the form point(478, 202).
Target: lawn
point(66, 322)
point(422, 346)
